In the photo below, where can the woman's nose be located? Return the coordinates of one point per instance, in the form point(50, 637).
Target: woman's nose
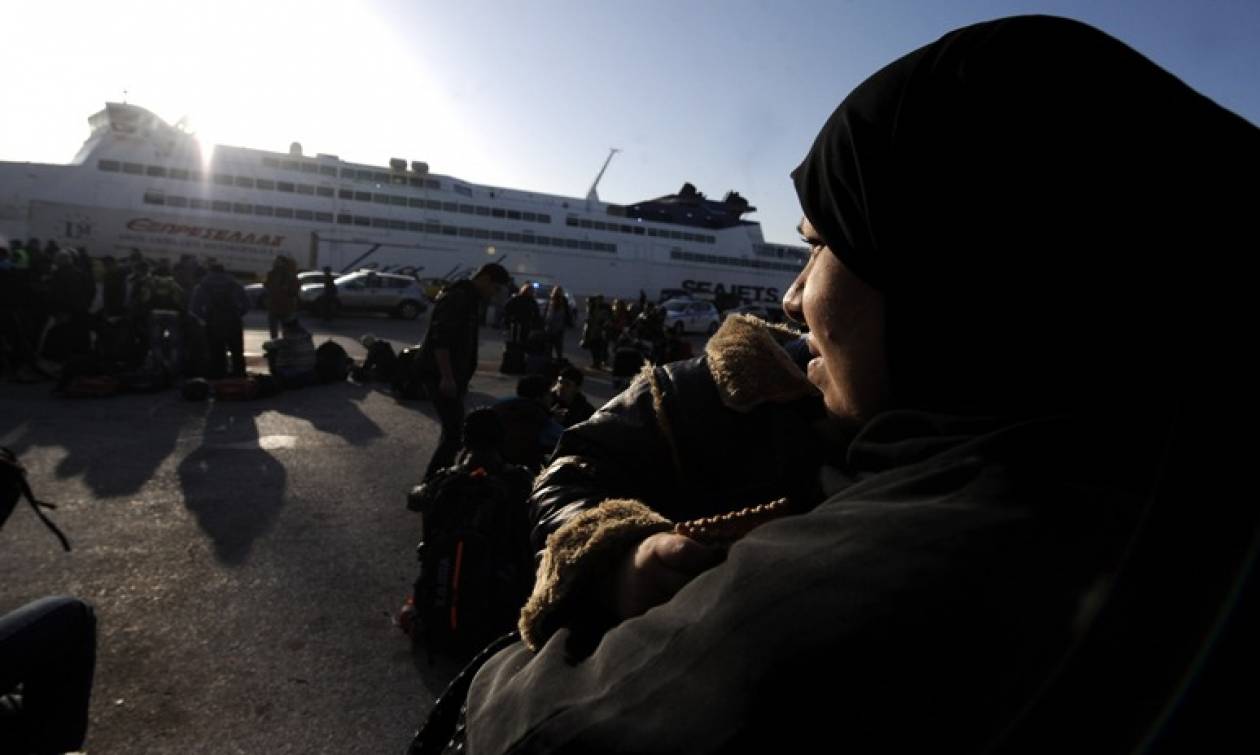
point(792, 300)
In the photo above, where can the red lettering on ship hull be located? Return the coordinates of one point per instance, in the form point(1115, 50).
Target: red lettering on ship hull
point(147, 225)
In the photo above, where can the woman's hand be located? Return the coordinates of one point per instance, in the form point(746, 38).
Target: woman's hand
point(651, 573)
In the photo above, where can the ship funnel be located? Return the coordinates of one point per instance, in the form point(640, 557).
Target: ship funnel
point(397, 163)
point(419, 167)
point(295, 149)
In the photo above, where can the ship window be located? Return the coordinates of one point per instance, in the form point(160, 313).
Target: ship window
point(198, 204)
point(513, 215)
point(417, 204)
point(363, 196)
point(271, 162)
point(638, 230)
point(481, 233)
point(363, 175)
point(380, 223)
point(528, 216)
point(284, 186)
point(328, 170)
point(177, 201)
point(397, 225)
point(416, 183)
point(497, 212)
point(450, 230)
point(133, 168)
point(154, 197)
point(496, 235)
point(155, 170)
point(380, 177)
point(222, 179)
point(345, 194)
point(450, 207)
point(651, 231)
point(572, 243)
point(243, 209)
point(195, 175)
point(544, 217)
point(542, 240)
point(347, 172)
point(219, 205)
point(432, 226)
point(284, 212)
point(483, 211)
point(309, 168)
point(514, 238)
point(264, 209)
point(432, 183)
point(345, 219)
point(398, 180)
point(466, 209)
point(324, 217)
point(179, 174)
point(573, 222)
point(265, 184)
point(466, 232)
point(303, 214)
point(380, 198)
point(584, 245)
point(415, 227)
point(324, 191)
point(306, 189)
point(291, 165)
point(245, 182)
point(432, 204)
point(362, 220)
point(400, 201)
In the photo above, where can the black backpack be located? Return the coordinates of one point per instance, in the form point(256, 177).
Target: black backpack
point(406, 381)
point(13, 487)
point(332, 363)
point(476, 569)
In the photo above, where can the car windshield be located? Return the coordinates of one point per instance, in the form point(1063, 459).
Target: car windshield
point(676, 306)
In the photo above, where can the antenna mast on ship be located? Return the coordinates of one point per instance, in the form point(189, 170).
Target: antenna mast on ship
point(591, 195)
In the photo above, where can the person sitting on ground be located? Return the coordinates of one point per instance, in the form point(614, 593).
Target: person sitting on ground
point(568, 404)
point(530, 432)
point(1015, 476)
point(291, 357)
point(380, 362)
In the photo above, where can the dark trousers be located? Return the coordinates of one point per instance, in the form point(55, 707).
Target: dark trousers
point(450, 413)
point(223, 338)
point(49, 647)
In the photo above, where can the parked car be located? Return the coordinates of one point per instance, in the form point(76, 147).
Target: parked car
point(766, 312)
point(691, 316)
point(258, 295)
point(370, 291)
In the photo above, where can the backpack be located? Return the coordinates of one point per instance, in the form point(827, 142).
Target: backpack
point(13, 487)
point(332, 364)
point(406, 381)
point(476, 569)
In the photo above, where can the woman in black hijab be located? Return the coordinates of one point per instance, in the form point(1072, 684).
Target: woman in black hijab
point(1024, 308)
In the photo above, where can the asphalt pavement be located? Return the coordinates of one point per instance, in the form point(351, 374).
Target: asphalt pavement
point(244, 558)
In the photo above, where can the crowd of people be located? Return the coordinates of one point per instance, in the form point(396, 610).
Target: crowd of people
point(62, 317)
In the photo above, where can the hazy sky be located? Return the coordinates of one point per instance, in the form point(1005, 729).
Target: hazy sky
point(531, 94)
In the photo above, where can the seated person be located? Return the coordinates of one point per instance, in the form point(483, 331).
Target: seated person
point(1014, 478)
point(380, 363)
point(568, 405)
point(530, 432)
point(291, 357)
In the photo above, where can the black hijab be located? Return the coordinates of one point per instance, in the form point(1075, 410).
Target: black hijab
point(1054, 221)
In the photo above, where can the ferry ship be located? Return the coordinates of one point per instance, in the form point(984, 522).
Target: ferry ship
point(141, 183)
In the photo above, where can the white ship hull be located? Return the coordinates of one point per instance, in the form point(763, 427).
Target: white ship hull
point(141, 184)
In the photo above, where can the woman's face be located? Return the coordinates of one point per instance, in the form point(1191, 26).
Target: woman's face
point(845, 317)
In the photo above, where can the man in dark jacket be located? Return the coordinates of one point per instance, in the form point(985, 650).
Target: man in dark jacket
point(219, 301)
point(448, 357)
point(568, 404)
point(521, 315)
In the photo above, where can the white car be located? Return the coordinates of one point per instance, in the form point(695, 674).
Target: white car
point(691, 316)
point(370, 291)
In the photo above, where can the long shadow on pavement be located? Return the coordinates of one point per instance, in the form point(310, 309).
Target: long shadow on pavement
point(332, 409)
point(231, 484)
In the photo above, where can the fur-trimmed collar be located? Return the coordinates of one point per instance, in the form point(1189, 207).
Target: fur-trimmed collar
point(750, 366)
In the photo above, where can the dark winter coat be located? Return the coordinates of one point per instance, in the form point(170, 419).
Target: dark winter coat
point(454, 326)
